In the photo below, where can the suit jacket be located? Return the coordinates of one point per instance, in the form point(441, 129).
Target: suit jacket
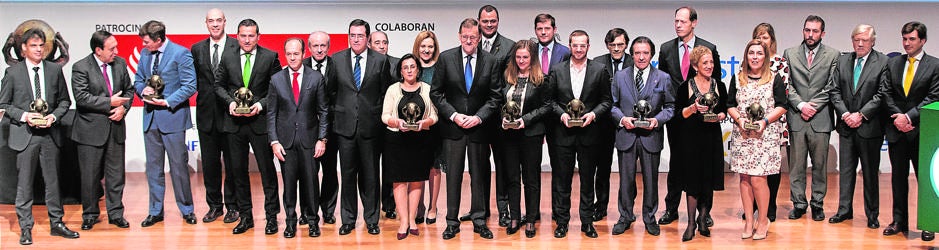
point(809, 84)
point(228, 80)
point(294, 124)
point(500, 50)
point(328, 74)
point(595, 95)
point(179, 75)
point(357, 112)
point(607, 60)
point(449, 94)
point(669, 61)
point(924, 90)
point(865, 99)
point(658, 92)
point(93, 102)
point(210, 111)
point(16, 94)
point(537, 105)
point(393, 68)
point(559, 54)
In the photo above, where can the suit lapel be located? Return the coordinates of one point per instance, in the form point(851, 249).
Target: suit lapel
point(865, 71)
point(49, 89)
point(920, 72)
point(306, 87)
point(589, 76)
point(565, 80)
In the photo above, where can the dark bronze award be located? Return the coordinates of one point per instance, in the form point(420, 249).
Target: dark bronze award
point(511, 112)
point(709, 100)
point(243, 98)
point(641, 111)
point(755, 112)
point(156, 83)
point(576, 110)
point(40, 107)
point(412, 115)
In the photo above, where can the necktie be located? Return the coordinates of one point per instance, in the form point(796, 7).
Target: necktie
point(215, 56)
point(468, 73)
point(107, 79)
point(36, 80)
point(487, 46)
point(811, 56)
point(616, 64)
point(246, 71)
point(357, 72)
point(544, 60)
point(908, 81)
point(156, 63)
point(319, 66)
point(296, 88)
point(686, 62)
point(857, 72)
point(639, 83)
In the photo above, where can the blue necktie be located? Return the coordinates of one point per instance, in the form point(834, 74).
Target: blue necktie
point(857, 72)
point(357, 73)
point(468, 73)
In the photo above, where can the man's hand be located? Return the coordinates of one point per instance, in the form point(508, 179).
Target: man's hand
point(588, 118)
point(156, 102)
point(255, 109)
point(853, 120)
point(231, 109)
point(652, 123)
point(146, 91)
point(459, 119)
point(279, 151)
point(117, 100)
point(627, 122)
point(808, 110)
point(471, 121)
point(902, 122)
point(319, 149)
point(564, 118)
point(117, 113)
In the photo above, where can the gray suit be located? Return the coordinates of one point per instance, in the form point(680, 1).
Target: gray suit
point(809, 83)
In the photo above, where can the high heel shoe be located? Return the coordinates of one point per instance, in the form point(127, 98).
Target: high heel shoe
point(530, 230)
point(747, 233)
point(413, 231)
point(761, 235)
point(703, 228)
point(689, 234)
point(512, 228)
point(430, 221)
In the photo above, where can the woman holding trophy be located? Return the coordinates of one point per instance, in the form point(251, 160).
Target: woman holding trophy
point(756, 101)
point(527, 100)
point(703, 103)
point(409, 146)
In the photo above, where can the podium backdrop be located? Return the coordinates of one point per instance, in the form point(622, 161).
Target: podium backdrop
point(928, 217)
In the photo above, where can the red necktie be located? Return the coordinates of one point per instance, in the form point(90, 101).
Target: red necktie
point(107, 80)
point(545, 62)
point(685, 62)
point(296, 88)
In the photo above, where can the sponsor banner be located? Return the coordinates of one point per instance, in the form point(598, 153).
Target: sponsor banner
point(927, 217)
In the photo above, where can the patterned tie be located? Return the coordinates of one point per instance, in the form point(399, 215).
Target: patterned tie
point(107, 79)
point(811, 56)
point(857, 72)
point(246, 71)
point(685, 62)
point(156, 63)
point(544, 60)
point(487, 46)
point(357, 72)
point(468, 73)
point(296, 88)
point(908, 81)
point(639, 83)
point(36, 80)
point(319, 67)
point(215, 57)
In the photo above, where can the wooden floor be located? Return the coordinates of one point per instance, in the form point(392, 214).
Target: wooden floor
point(173, 233)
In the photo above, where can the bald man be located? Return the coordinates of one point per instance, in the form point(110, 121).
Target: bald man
point(318, 43)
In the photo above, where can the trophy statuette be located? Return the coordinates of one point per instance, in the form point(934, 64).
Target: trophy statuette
point(40, 107)
point(412, 115)
point(641, 111)
point(511, 112)
point(576, 110)
point(157, 84)
point(243, 97)
point(709, 100)
point(755, 112)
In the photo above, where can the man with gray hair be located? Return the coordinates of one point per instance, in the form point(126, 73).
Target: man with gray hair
point(318, 43)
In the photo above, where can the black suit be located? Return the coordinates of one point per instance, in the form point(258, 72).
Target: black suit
point(576, 143)
point(500, 49)
point(903, 148)
point(670, 62)
point(329, 185)
point(862, 143)
point(297, 125)
point(357, 124)
point(244, 131)
point(522, 147)
point(210, 114)
point(450, 96)
point(35, 144)
point(608, 132)
point(387, 199)
point(100, 141)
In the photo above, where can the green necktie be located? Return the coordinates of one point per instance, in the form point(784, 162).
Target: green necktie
point(857, 72)
point(246, 71)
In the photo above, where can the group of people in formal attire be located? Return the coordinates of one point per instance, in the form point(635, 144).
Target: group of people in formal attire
point(380, 126)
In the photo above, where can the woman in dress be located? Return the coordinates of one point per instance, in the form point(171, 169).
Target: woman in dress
point(521, 136)
point(426, 49)
point(755, 151)
point(409, 151)
point(701, 147)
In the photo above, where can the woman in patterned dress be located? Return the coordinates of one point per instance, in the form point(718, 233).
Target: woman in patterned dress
point(766, 34)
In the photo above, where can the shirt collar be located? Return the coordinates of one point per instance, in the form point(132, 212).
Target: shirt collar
point(298, 71)
point(550, 47)
point(98, 61)
point(813, 50)
point(162, 48)
point(919, 57)
point(30, 65)
point(253, 52)
point(221, 42)
point(690, 42)
point(464, 53)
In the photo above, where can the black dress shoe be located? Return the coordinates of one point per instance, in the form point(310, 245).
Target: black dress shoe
point(373, 229)
point(703, 228)
point(928, 236)
point(450, 232)
point(894, 229)
point(59, 229)
point(302, 220)
point(243, 226)
point(212, 215)
point(530, 230)
point(88, 224)
point(26, 237)
point(270, 227)
point(653, 229)
point(796, 213)
point(504, 220)
point(668, 217)
point(621, 227)
point(430, 221)
point(151, 220)
point(688, 235)
point(513, 227)
point(483, 231)
point(119, 222)
point(873, 224)
point(329, 219)
point(190, 219)
point(598, 216)
point(708, 220)
point(465, 217)
point(391, 215)
point(589, 230)
point(818, 214)
point(290, 231)
point(231, 216)
point(771, 217)
point(346, 229)
point(314, 230)
point(838, 218)
point(560, 231)
point(418, 220)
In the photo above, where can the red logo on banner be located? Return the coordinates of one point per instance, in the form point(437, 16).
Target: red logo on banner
point(129, 47)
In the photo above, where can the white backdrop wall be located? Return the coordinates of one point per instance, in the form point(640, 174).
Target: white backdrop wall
point(727, 24)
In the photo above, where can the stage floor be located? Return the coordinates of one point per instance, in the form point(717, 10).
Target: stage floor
point(174, 233)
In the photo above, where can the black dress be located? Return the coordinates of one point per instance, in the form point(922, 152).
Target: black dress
point(408, 156)
point(700, 147)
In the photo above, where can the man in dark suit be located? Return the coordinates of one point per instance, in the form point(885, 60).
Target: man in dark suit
point(329, 185)
point(166, 118)
point(378, 41)
point(297, 126)
point(675, 60)
point(358, 88)
point(811, 120)
point(22, 84)
point(465, 90)
point(210, 111)
point(910, 82)
point(103, 91)
point(589, 82)
point(550, 52)
point(251, 67)
point(644, 144)
point(855, 83)
point(616, 41)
